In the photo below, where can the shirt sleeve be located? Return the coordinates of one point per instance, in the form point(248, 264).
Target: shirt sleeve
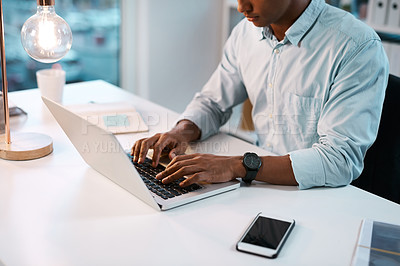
point(349, 121)
point(212, 107)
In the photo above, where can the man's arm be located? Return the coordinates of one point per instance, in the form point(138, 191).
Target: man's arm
point(349, 121)
point(274, 170)
point(216, 169)
point(277, 170)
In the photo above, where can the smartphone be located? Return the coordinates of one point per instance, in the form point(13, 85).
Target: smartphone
point(265, 236)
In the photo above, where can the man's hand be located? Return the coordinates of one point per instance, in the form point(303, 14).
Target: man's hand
point(203, 168)
point(174, 142)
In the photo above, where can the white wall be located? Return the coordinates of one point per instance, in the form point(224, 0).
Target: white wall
point(178, 46)
point(127, 73)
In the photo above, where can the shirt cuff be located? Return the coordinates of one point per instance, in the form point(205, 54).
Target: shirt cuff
point(308, 168)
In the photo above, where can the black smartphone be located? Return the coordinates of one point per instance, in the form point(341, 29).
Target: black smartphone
point(266, 235)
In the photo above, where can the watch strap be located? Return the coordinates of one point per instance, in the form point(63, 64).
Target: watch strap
point(250, 176)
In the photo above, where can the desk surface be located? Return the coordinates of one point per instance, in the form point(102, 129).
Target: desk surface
point(58, 211)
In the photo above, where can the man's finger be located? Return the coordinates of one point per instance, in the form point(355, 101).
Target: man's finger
point(180, 157)
point(196, 178)
point(157, 154)
point(160, 148)
point(178, 172)
point(179, 150)
point(136, 150)
point(146, 144)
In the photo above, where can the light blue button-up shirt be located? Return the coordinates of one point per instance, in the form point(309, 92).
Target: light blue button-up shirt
point(317, 95)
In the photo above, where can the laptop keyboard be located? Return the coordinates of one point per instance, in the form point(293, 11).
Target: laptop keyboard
point(166, 191)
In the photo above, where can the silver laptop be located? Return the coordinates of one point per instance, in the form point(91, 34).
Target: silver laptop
point(103, 152)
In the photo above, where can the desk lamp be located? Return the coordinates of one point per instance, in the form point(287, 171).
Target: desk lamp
point(47, 38)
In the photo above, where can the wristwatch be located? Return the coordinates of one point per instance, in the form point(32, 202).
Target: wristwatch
point(252, 162)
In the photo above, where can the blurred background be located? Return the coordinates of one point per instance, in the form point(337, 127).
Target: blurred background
point(162, 50)
point(95, 48)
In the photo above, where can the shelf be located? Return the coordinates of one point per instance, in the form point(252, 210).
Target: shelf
point(386, 29)
point(382, 16)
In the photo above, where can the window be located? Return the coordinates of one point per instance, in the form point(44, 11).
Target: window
point(95, 47)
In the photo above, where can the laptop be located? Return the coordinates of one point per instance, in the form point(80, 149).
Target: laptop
point(102, 151)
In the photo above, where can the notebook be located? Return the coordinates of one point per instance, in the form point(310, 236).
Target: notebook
point(102, 151)
point(118, 117)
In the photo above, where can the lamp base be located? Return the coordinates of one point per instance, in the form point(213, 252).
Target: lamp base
point(25, 146)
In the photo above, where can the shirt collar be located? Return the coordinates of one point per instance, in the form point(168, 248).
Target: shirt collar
point(299, 28)
point(266, 32)
point(303, 24)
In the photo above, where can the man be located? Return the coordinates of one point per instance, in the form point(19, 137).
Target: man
point(316, 77)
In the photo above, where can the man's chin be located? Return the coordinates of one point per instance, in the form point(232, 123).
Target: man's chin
point(256, 21)
point(260, 25)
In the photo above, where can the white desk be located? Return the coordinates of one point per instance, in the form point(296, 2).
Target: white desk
point(58, 211)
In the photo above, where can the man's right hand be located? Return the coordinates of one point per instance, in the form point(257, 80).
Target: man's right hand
point(174, 142)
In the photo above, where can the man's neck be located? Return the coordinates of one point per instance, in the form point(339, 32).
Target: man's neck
point(293, 12)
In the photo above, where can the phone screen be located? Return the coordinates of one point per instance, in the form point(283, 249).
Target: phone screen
point(266, 232)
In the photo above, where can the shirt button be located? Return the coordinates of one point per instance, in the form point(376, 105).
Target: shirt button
point(268, 145)
point(270, 85)
point(270, 115)
point(276, 51)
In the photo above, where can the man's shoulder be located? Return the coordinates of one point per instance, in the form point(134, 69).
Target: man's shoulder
point(346, 25)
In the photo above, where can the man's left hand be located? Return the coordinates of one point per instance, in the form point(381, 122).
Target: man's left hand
point(200, 168)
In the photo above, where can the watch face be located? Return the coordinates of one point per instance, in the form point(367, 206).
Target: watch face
point(252, 161)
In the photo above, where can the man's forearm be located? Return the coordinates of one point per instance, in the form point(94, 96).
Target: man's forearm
point(274, 170)
point(277, 170)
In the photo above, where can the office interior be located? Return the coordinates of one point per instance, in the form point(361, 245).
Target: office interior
point(162, 52)
point(146, 46)
point(122, 42)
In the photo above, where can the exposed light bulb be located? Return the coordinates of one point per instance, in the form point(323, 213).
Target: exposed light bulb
point(45, 36)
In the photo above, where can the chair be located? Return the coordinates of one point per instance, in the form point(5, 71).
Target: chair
point(381, 174)
point(246, 121)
